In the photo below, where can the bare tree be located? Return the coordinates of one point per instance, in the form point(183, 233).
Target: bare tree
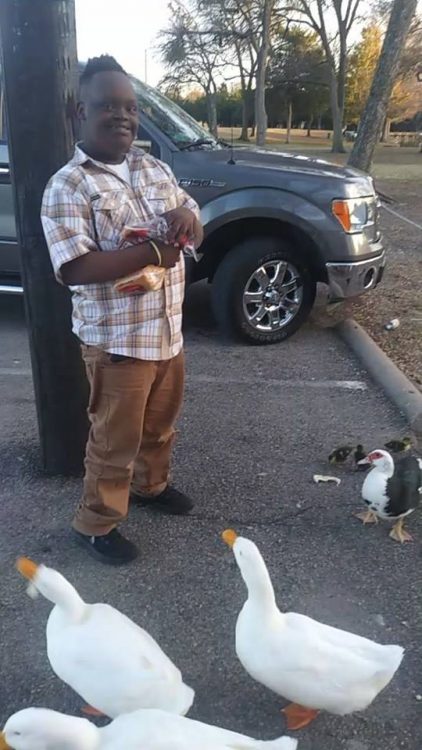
point(191, 58)
point(332, 21)
point(386, 72)
point(250, 23)
point(229, 18)
point(298, 74)
point(259, 20)
point(246, 61)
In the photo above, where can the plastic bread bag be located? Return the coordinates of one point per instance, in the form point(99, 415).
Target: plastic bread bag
point(147, 279)
point(150, 278)
point(156, 229)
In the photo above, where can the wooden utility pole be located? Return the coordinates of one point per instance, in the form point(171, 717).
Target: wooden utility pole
point(38, 39)
point(374, 114)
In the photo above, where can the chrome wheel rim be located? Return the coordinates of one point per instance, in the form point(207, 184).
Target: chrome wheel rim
point(272, 296)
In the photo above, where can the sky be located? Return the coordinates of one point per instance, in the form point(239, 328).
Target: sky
point(126, 29)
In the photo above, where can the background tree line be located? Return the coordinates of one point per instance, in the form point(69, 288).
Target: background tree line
point(254, 63)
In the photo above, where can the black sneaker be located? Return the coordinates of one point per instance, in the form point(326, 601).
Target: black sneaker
point(170, 501)
point(112, 548)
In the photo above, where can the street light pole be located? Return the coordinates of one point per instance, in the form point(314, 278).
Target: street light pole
point(38, 39)
point(146, 66)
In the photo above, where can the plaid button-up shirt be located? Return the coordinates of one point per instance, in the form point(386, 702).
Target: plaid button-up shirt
point(85, 207)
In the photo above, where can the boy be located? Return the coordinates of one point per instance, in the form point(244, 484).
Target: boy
point(132, 345)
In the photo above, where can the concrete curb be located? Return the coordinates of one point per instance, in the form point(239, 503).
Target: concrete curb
point(400, 390)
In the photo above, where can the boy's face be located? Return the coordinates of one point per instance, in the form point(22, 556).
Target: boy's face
point(108, 112)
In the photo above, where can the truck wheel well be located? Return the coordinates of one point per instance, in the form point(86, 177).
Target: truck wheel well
point(220, 242)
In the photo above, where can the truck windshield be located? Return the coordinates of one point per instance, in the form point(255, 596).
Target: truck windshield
point(171, 119)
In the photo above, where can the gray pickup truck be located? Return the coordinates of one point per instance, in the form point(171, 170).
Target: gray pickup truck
point(275, 224)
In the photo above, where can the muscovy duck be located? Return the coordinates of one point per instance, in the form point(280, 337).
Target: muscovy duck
point(391, 490)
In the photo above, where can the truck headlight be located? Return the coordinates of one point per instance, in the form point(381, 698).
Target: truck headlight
point(354, 214)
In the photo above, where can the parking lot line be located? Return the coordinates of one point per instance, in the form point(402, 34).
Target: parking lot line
point(348, 385)
point(400, 216)
point(4, 371)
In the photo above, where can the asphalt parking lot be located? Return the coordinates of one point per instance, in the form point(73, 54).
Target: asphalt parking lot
point(257, 424)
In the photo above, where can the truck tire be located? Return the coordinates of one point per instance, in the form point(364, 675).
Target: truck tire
point(262, 292)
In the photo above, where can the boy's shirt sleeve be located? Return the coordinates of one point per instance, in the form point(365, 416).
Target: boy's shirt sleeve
point(67, 224)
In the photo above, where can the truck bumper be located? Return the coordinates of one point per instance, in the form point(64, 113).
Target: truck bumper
point(347, 280)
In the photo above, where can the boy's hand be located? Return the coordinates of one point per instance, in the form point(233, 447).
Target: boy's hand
point(170, 255)
point(182, 225)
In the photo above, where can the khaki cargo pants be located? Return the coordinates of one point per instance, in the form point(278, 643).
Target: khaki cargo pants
point(133, 407)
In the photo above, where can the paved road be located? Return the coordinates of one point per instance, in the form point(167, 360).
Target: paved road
point(257, 424)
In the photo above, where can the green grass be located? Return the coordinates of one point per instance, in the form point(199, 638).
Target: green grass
point(391, 162)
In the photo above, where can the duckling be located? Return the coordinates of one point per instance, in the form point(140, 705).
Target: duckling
point(340, 455)
point(399, 446)
point(359, 454)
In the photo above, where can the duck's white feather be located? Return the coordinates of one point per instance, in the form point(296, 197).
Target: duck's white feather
point(374, 492)
point(141, 730)
point(390, 490)
point(157, 730)
point(113, 664)
point(314, 664)
point(303, 660)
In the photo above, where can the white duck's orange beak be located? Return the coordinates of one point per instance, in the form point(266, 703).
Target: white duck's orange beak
point(28, 569)
point(3, 743)
point(229, 537)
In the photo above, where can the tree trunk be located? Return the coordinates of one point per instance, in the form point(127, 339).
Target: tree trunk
point(337, 115)
point(261, 71)
point(245, 94)
point(260, 111)
point(289, 121)
point(386, 71)
point(212, 113)
point(386, 130)
point(245, 116)
point(310, 123)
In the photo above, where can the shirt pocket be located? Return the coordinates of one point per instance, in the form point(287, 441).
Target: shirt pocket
point(160, 197)
point(111, 212)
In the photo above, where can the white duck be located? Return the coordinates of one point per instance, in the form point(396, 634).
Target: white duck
point(391, 490)
point(315, 666)
point(149, 729)
point(115, 665)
